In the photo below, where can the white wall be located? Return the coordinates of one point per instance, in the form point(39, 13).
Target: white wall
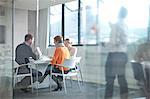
point(8, 24)
point(2, 20)
point(6, 21)
point(20, 26)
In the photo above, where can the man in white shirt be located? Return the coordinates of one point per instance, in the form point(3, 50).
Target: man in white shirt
point(117, 57)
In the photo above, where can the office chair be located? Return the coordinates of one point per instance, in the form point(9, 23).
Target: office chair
point(18, 75)
point(71, 64)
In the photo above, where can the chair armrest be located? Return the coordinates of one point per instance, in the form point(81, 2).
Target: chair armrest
point(17, 66)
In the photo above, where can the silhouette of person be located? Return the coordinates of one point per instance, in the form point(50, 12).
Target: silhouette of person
point(117, 57)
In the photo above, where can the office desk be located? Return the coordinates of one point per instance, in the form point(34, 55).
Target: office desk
point(39, 63)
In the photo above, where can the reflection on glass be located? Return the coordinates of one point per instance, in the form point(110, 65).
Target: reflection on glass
point(137, 20)
point(5, 50)
point(91, 22)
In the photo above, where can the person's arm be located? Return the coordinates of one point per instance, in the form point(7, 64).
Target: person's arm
point(55, 57)
point(17, 59)
point(32, 54)
point(73, 52)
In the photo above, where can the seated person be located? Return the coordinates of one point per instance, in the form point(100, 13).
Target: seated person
point(61, 53)
point(22, 53)
point(142, 54)
point(72, 50)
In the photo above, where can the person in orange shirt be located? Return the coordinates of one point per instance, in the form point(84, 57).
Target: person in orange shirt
point(61, 53)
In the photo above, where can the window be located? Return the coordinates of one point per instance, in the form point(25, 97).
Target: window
point(74, 19)
point(55, 22)
point(87, 21)
point(71, 21)
point(137, 19)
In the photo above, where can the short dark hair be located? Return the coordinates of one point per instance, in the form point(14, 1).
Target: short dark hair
point(28, 37)
point(123, 12)
point(69, 41)
point(58, 38)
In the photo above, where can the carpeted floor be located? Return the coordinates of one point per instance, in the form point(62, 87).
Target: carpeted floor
point(88, 91)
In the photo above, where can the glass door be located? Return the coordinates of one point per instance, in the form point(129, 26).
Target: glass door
point(6, 49)
point(137, 22)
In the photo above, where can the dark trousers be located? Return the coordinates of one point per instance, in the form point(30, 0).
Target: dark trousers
point(110, 85)
point(138, 71)
point(57, 79)
point(26, 81)
point(115, 67)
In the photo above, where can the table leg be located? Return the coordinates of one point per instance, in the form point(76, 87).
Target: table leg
point(147, 74)
point(37, 85)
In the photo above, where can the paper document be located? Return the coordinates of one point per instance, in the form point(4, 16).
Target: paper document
point(39, 51)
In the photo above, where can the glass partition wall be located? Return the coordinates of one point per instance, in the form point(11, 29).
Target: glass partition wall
point(25, 17)
point(6, 49)
point(96, 20)
point(88, 24)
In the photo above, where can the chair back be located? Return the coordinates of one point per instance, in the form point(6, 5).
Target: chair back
point(78, 59)
point(16, 73)
point(69, 63)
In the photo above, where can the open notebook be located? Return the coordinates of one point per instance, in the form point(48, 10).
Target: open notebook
point(39, 51)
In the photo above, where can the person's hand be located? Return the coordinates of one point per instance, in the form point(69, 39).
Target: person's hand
point(50, 57)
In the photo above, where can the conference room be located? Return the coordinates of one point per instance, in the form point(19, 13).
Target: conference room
point(110, 39)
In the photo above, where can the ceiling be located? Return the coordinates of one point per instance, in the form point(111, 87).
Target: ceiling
point(31, 4)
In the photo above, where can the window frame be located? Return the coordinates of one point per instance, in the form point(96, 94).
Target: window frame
point(79, 27)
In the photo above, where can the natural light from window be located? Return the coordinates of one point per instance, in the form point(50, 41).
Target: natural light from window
point(137, 19)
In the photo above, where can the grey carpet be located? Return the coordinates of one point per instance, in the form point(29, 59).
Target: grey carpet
point(88, 91)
